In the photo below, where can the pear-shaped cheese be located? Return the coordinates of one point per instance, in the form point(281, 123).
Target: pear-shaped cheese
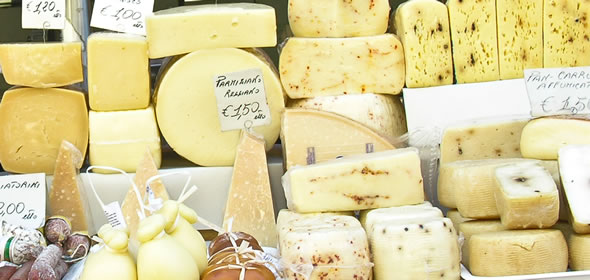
point(112, 261)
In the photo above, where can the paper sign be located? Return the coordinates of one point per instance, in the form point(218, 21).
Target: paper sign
point(126, 16)
point(558, 91)
point(115, 215)
point(43, 14)
point(241, 99)
point(22, 199)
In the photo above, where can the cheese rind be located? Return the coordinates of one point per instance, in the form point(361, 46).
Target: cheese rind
point(542, 138)
point(566, 33)
point(574, 161)
point(578, 245)
point(312, 67)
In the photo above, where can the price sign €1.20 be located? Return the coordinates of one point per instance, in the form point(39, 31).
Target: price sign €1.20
point(43, 14)
point(122, 15)
point(22, 199)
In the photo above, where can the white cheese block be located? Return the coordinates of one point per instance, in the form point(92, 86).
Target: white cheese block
point(185, 29)
point(362, 215)
point(574, 161)
point(423, 28)
point(517, 252)
point(382, 113)
point(579, 245)
point(400, 214)
point(381, 179)
point(541, 138)
point(566, 33)
point(187, 111)
point(312, 67)
point(287, 219)
point(470, 228)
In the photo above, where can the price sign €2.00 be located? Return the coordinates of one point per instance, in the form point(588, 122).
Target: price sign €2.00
point(122, 15)
point(43, 14)
point(22, 199)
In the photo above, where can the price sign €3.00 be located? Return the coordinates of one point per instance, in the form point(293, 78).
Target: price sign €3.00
point(22, 199)
point(43, 14)
point(122, 15)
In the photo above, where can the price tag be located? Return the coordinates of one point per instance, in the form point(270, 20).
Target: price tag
point(122, 15)
point(558, 91)
point(114, 215)
point(241, 99)
point(22, 199)
point(43, 14)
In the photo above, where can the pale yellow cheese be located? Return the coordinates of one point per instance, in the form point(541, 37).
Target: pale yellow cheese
point(34, 122)
point(363, 214)
point(312, 67)
point(574, 162)
point(447, 181)
point(423, 28)
point(400, 214)
point(42, 65)
point(120, 138)
point(190, 122)
point(578, 245)
point(470, 228)
point(287, 219)
point(336, 18)
point(566, 33)
point(456, 218)
point(185, 29)
point(249, 205)
point(118, 72)
point(310, 136)
point(541, 138)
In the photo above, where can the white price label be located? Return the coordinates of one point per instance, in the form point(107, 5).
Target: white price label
point(22, 199)
point(43, 14)
point(241, 99)
point(126, 16)
point(558, 91)
point(114, 215)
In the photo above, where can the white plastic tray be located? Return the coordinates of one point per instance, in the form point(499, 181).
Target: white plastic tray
point(570, 275)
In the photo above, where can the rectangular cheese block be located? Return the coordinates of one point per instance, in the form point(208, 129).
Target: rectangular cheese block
point(566, 33)
point(426, 250)
point(423, 28)
point(399, 214)
point(542, 138)
point(120, 138)
point(118, 72)
point(520, 36)
point(249, 205)
point(34, 122)
point(574, 162)
point(311, 67)
point(42, 65)
point(336, 18)
point(470, 228)
point(475, 44)
point(382, 179)
point(185, 29)
point(517, 252)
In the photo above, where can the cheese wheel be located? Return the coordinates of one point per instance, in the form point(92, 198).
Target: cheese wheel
point(186, 107)
point(541, 138)
point(472, 227)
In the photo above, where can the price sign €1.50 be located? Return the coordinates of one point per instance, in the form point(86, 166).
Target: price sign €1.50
point(22, 199)
point(43, 14)
point(122, 15)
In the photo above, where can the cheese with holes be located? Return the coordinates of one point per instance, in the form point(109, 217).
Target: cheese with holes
point(543, 137)
point(312, 67)
point(34, 122)
point(470, 228)
point(382, 113)
point(475, 44)
point(424, 250)
point(310, 136)
point(118, 72)
point(482, 139)
point(67, 197)
point(566, 33)
point(336, 18)
point(423, 28)
point(190, 122)
point(517, 252)
point(400, 214)
point(42, 65)
point(574, 162)
point(579, 244)
point(129, 133)
point(456, 218)
point(249, 205)
point(376, 180)
point(185, 29)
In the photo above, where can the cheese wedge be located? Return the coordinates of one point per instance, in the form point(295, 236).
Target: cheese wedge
point(578, 245)
point(566, 33)
point(312, 67)
point(541, 138)
point(456, 218)
point(470, 228)
point(400, 214)
point(574, 161)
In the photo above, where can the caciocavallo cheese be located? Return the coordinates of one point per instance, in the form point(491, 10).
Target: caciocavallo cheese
point(542, 138)
point(566, 33)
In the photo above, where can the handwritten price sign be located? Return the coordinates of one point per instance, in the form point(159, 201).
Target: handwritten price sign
point(22, 199)
point(122, 15)
point(42, 14)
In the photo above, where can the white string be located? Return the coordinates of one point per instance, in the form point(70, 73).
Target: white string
point(102, 205)
point(156, 177)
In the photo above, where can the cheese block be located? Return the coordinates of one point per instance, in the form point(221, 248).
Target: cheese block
point(423, 28)
point(249, 205)
point(34, 122)
point(481, 139)
point(326, 248)
point(187, 112)
point(400, 214)
point(382, 113)
point(470, 228)
point(42, 65)
point(310, 136)
point(287, 219)
point(566, 33)
point(67, 197)
point(475, 44)
point(574, 161)
point(118, 72)
point(526, 196)
point(376, 180)
point(185, 29)
point(362, 215)
point(335, 18)
point(520, 36)
point(447, 181)
point(312, 67)
point(517, 252)
point(426, 250)
point(541, 138)
point(579, 244)
point(456, 218)
point(129, 133)
point(552, 167)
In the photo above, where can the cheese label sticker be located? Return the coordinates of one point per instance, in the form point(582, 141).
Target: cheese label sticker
point(127, 16)
point(558, 91)
point(22, 199)
point(114, 215)
point(241, 100)
point(43, 14)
